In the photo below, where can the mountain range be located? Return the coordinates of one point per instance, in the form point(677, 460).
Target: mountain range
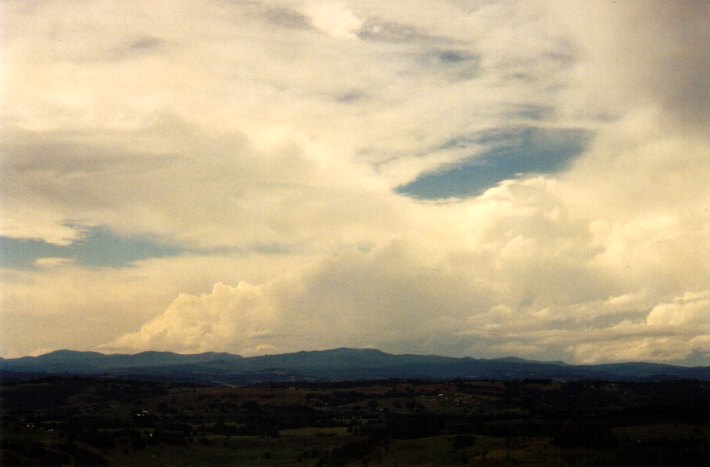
point(325, 365)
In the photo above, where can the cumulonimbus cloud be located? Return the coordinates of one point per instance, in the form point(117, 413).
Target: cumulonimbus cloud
point(266, 149)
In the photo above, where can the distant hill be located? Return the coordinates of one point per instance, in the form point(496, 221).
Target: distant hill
point(326, 365)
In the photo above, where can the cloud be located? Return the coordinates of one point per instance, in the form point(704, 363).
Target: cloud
point(548, 266)
point(82, 307)
point(527, 280)
point(335, 19)
point(690, 309)
point(262, 144)
point(659, 349)
point(676, 330)
point(52, 262)
point(243, 195)
point(350, 297)
point(217, 320)
point(641, 53)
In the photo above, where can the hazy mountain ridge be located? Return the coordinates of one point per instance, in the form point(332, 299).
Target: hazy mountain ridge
point(333, 364)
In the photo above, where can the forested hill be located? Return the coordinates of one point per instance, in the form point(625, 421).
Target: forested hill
point(327, 365)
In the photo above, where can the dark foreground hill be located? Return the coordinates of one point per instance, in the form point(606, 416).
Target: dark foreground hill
point(327, 365)
point(80, 420)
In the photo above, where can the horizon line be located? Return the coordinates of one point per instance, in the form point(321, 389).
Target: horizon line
point(507, 357)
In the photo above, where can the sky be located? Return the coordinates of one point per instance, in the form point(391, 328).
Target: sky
point(483, 177)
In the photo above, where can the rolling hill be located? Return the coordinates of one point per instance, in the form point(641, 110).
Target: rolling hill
point(326, 365)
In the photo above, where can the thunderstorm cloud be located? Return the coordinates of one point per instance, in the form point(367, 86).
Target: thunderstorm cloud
point(474, 178)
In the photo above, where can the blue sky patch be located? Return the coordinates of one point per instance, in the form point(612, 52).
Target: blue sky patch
point(512, 153)
point(100, 248)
